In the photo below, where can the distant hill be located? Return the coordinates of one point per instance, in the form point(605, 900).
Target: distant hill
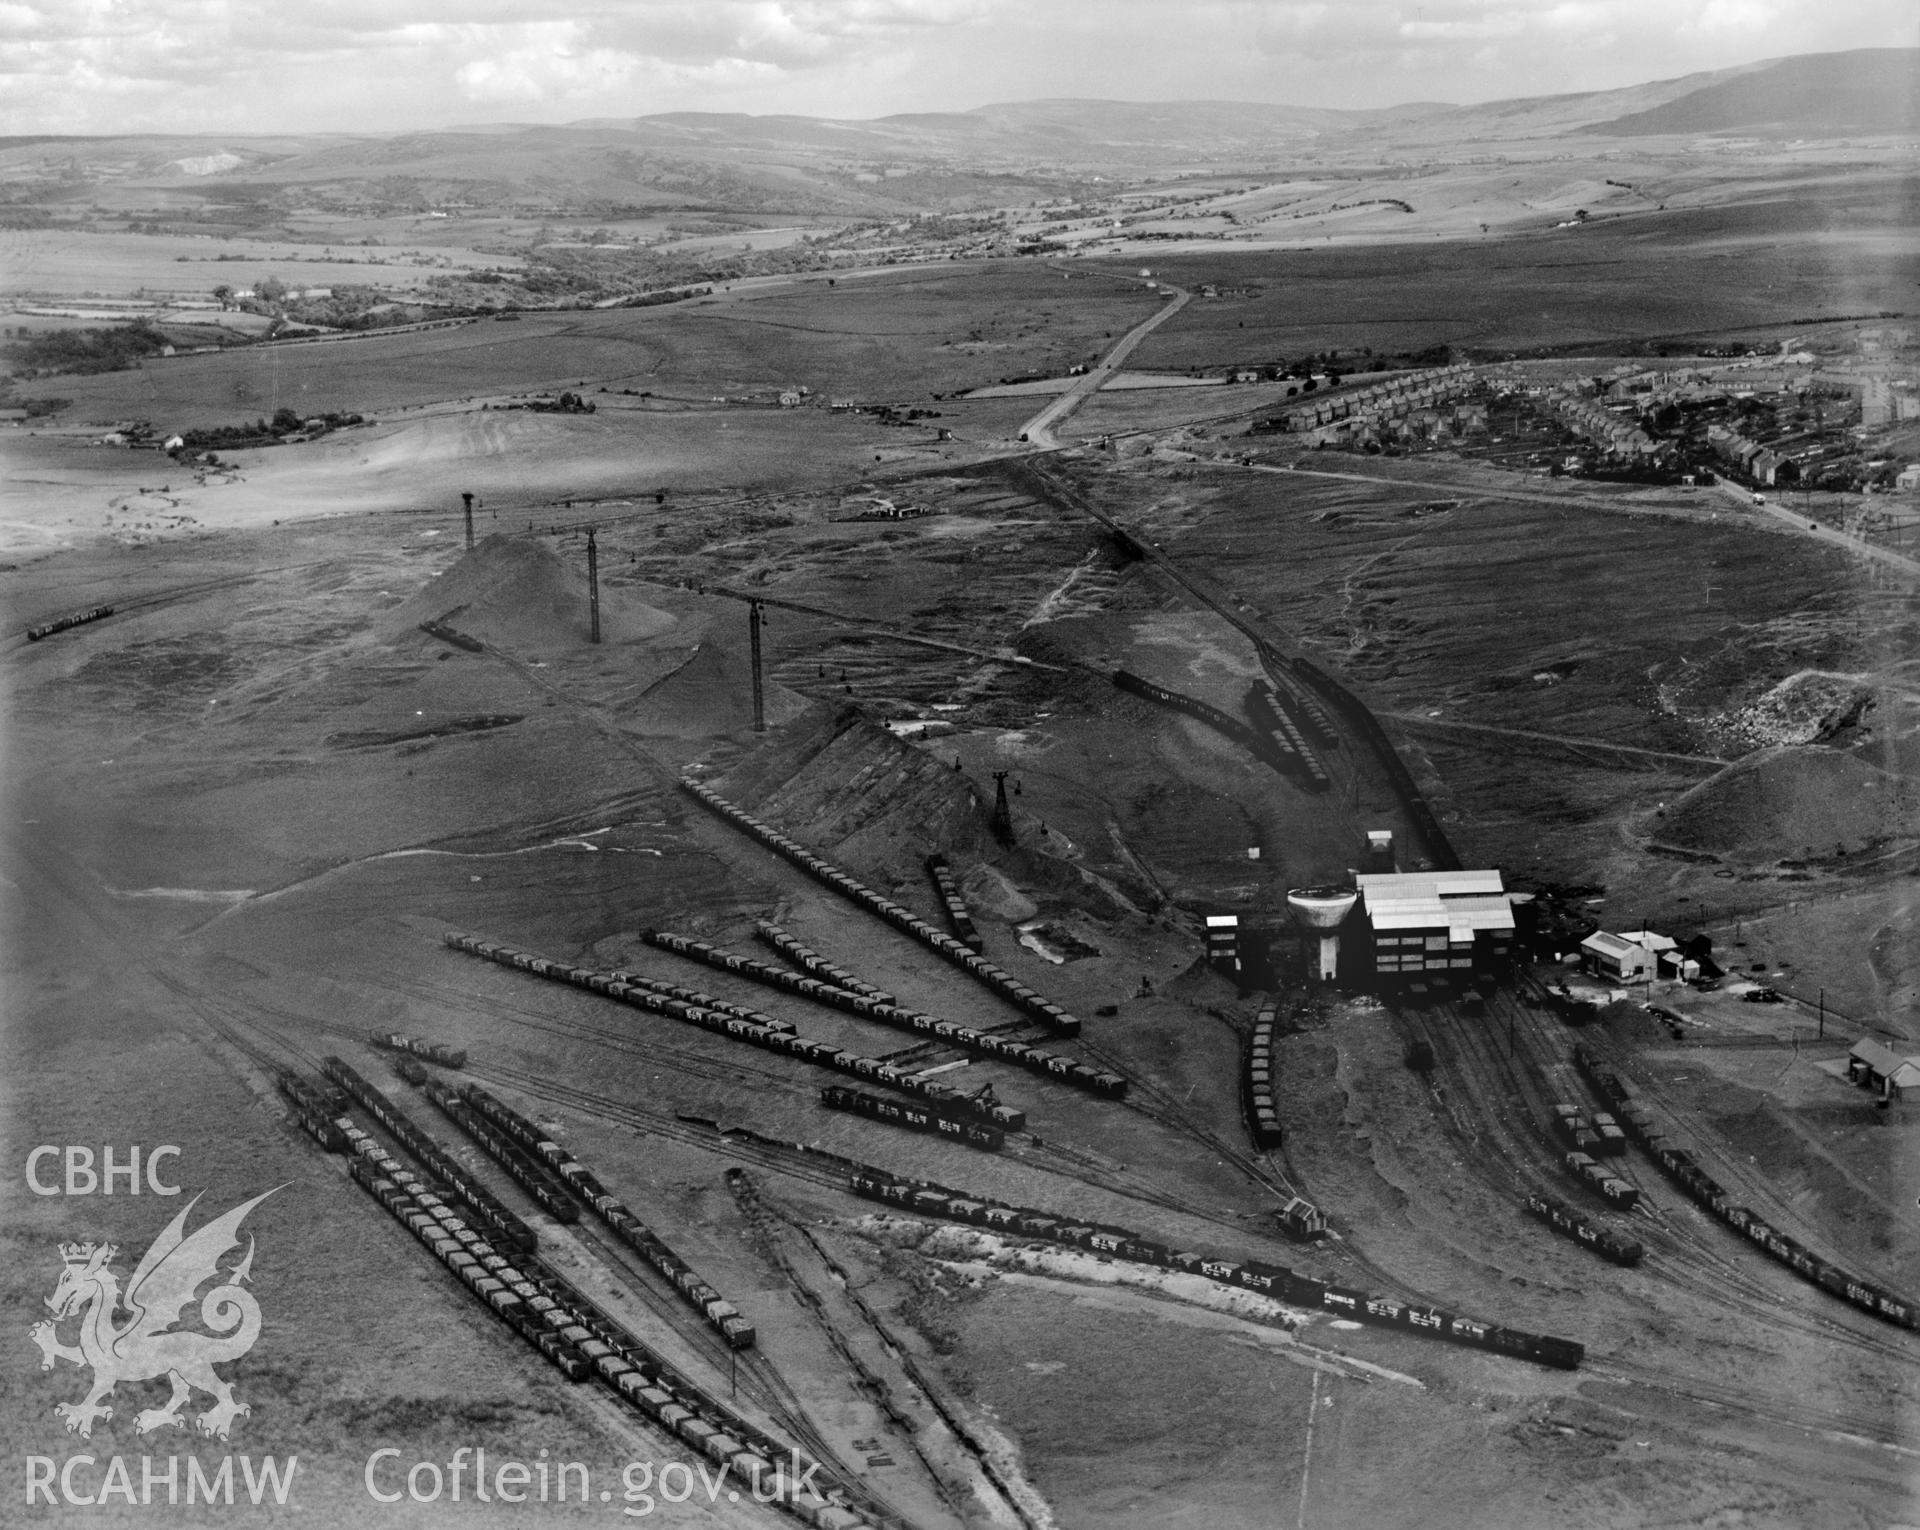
point(917, 162)
point(1820, 95)
point(1061, 132)
point(1872, 90)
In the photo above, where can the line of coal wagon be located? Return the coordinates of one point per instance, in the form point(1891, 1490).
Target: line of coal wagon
point(432, 1051)
point(552, 1193)
point(716, 1310)
point(1564, 1220)
point(573, 1335)
point(815, 965)
point(1360, 715)
point(502, 1224)
point(626, 988)
point(1272, 737)
point(1680, 1167)
point(1063, 1070)
point(914, 1117)
point(1282, 743)
point(1007, 986)
point(947, 887)
point(1263, 1112)
point(61, 624)
point(1276, 1281)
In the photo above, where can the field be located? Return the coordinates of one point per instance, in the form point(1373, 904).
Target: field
point(874, 339)
point(1753, 271)
point(57, 263)
point(243, 811)
point(1507, 190)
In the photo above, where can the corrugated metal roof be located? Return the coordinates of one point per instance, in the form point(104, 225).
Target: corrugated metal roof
point(1491, 919)
point(1442, 884)
point(1611, 945)
point(1432, 900)
point(1877, 1055)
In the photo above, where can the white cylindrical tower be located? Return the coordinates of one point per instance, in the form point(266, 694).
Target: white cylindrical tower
point(1321, 911)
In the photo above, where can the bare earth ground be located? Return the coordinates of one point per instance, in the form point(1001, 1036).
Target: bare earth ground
point(241, 812)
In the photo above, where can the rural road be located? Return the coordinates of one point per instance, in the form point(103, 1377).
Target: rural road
point(1855, 545)
point(1039, 429)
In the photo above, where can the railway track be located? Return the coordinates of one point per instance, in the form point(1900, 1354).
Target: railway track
point(271, 1050)
point(1686, 1255)
point(749, 1371)
point(127, 605)
point(1715, 1277)
point(766, 1224)
point(694, 1064)
point(1157, 1105)
point(1289, 676)
point(1821, 1317)
point(1860, 1427)
point(818, 1170)
point(931, 1052)
point(1529, 1157)
point(1046, 1155)
point(659, 1122)
point(1057, 1159)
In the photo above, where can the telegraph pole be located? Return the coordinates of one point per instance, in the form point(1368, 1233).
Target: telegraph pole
point(759, 696)
point(468, 499)
point(593, 584)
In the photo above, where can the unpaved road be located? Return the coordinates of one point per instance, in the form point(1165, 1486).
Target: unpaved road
point(1039, 429)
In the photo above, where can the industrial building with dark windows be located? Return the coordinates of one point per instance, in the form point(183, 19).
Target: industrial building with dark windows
point(1395, 927)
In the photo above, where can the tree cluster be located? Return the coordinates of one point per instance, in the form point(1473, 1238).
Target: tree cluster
point(110, 349)
point(285, 422)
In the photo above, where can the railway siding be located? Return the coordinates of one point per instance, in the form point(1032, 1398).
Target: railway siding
point(1649, 1130)
point(966, 1038)
point(1000, 981)
point(713, 1308)
point(613, 986)
point(1276, 1281)
point(545, 1310)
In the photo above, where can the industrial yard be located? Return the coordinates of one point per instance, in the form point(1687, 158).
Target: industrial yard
point(1255, 954)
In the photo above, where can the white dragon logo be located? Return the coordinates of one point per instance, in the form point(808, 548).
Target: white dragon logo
point(148, 1345)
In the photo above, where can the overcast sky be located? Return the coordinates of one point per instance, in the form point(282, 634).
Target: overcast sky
point(230, 66)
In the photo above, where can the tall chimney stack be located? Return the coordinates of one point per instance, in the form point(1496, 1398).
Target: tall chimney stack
point(468, 498)
point(593, 584)
point(759, 696)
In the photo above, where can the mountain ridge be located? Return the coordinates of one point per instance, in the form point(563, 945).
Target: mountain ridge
point(946, 161)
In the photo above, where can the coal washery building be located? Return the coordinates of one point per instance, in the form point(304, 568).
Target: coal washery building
point(1427, 924)
point(1395, 927)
